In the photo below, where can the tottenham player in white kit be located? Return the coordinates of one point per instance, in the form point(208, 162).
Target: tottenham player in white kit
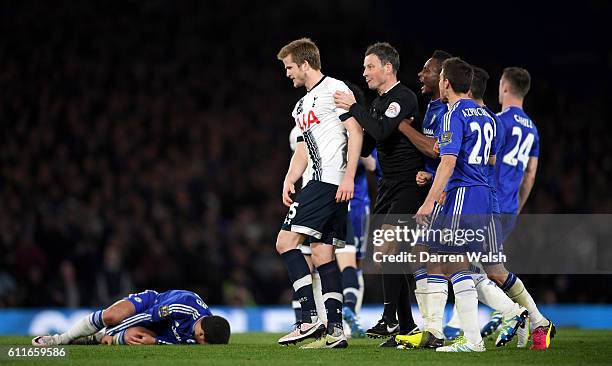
point(333, 143)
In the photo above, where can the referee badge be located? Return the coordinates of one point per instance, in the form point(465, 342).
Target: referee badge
point(393, 110)
point(446, 138)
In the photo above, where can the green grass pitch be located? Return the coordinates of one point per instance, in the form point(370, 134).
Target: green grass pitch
point(570, 347)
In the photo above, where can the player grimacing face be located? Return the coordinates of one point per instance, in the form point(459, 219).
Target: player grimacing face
point(374, 72)
point(429, 76)
point(295, 72)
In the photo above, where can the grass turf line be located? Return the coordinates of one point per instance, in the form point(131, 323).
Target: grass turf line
point(570, 347)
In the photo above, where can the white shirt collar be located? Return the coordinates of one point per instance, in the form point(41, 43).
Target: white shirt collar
point(392, 86)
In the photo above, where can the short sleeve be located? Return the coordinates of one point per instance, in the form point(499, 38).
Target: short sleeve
point(451, 135)
point(343, 114)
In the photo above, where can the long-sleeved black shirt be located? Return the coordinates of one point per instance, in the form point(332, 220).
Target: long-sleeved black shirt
point(398, 157)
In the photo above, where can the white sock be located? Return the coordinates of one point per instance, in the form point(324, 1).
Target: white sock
point(437, 294)
point(466, 300)
point(317, 291)
point(518, 293)
point(492, 296)
point(420, 277)
point(361, 283)
point(87, 325)
point(454, 320)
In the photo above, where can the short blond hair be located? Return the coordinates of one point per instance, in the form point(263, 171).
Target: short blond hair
point(303, 49)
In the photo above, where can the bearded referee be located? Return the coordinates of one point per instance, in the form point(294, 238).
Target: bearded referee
point(400, 161)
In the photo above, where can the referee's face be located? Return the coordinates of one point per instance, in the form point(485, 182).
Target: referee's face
point(373, 72)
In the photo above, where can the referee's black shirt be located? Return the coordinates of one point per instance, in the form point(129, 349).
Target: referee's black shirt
point(399, 158)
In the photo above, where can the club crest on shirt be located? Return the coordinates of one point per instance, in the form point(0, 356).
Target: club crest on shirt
point(446, 138)
point(163, 311)
point(393, 110)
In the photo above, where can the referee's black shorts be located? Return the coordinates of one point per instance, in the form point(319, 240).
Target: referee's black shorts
point(398, 199)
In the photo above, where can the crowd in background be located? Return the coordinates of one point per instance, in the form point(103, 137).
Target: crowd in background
point(144, 146)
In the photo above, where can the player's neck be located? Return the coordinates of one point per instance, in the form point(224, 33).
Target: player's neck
point(312, 79)
point(511, 101)
point(435, 95)
point(480, 102)
point(454, 98)
point(387, 85)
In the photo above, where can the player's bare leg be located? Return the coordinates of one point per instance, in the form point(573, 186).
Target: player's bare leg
point(90, 324)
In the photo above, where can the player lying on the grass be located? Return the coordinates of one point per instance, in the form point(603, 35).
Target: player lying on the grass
point(148, 317)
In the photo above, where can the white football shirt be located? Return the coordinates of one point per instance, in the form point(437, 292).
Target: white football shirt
point(294, 135)
point(324, 133)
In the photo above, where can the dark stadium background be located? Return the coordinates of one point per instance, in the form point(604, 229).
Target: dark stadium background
point(143, 144)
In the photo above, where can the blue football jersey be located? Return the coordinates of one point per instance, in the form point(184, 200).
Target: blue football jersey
point(431, 128)
point(467, 132)
point(521, 143)
point(179, 310)
point(171, 315)
point(498, 141)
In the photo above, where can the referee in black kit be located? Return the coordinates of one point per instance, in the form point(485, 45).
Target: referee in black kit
point(400, 161)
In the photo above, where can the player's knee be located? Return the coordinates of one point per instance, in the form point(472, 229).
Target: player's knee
point(111, 317)
point(497, 274)
point(286, 240)
point(320, 257)
point(117, 312)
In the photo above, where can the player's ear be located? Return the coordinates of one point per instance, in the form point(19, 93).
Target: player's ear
point(389, 68)
point(305, 66)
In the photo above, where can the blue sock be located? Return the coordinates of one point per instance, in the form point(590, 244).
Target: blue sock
point(332, 291)
point(350, 287)
point(510, 280)
point(96, 319)
point(301, 279)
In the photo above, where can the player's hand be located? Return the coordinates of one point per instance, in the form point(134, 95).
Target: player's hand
point(436, 148)
point(345, 190)
point(139, 338)
point(344, 100)
point(422, 178)
point(288, 190)
point(422, 215)
point(108, 340)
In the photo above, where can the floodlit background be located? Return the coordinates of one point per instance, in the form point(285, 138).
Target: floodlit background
point(143, 144)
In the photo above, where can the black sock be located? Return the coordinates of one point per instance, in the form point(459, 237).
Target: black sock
point(331, 284)
point(350, 287)
point(404, 307)
point(301, 279)
point(392, 285)
point(297, 307)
